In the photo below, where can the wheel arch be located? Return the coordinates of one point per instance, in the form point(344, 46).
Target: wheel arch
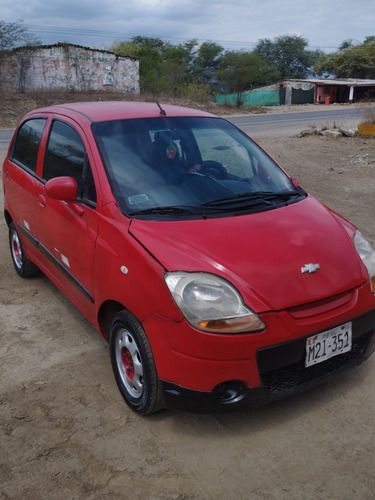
point(7, 217)
point(106, 313)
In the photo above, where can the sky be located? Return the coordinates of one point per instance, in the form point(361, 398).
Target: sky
point(235, 25)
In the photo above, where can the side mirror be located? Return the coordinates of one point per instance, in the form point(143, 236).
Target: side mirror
point(64, 189)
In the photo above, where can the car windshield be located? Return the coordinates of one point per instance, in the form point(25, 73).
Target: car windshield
point(189, 167)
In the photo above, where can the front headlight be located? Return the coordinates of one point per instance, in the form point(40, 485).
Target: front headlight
point(211, 303)
point(367, 255)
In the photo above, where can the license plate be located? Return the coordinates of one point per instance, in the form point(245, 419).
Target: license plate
point(325, 345)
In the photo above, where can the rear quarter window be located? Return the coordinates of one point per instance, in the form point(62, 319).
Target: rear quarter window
point(27, 142)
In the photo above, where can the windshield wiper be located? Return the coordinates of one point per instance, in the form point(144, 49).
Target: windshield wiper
point(241, 200)
point(167, 210)
point(179, 210)
point(265, 197)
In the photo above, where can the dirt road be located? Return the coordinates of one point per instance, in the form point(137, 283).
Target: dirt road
point(66, 433)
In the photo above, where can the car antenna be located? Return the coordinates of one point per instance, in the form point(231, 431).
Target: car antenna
point(162, 112)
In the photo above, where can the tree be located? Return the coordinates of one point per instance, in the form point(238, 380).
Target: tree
point(241, 71)
point(150, 52)
point(14, 35)
point(289, 54)
point(350, 61)
point(178, 63)
point(126, 49)
point(346, 44)
point(369, 39)
point(207, 62)
point(172, 68)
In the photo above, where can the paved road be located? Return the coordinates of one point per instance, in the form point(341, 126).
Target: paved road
point(5, 137)
point(279, 124)
point(285, 124)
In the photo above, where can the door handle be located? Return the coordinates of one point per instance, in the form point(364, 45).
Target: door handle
point(42, 200)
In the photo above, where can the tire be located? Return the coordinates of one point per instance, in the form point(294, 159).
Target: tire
point(133, 365)
point(24, 267)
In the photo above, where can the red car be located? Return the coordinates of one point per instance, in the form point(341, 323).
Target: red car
point(217, 280)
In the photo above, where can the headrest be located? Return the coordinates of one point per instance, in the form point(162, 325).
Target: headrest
point(163, 137)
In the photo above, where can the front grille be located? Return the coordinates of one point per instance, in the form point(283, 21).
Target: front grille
point(294, 375)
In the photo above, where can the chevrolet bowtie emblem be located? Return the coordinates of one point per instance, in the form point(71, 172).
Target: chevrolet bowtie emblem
point(310, 268)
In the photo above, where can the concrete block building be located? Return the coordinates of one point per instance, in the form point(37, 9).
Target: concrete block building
point(67, 67)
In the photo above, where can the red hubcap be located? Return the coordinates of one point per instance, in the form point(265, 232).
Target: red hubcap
point(16, 250)
point(127, 362)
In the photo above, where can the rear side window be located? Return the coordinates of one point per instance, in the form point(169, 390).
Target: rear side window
point(26, 145)
point(66, 155)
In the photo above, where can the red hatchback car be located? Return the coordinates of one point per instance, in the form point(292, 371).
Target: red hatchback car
point(217, 280)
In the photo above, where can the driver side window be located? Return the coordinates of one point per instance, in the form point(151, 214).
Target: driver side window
point(66, 155)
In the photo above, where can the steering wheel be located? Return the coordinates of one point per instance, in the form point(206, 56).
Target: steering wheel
point(210, 168)
point(214, 168)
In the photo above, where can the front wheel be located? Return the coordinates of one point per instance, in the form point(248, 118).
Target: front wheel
point(133, 365)
point(24, 267)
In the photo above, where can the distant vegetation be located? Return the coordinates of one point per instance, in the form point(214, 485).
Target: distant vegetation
point(191, 68)
point(196, 71)
point(350, 61)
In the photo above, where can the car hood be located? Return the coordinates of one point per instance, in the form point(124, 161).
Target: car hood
point(262, 254)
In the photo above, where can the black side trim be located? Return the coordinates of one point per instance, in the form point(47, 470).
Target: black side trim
point(179, 398)
point(56, 263)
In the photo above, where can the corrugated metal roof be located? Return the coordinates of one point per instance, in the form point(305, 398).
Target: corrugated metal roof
point(60, 44)
point(356, 82)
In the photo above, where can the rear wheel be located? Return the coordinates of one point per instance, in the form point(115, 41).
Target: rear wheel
point(133, 365)
point(24, 267)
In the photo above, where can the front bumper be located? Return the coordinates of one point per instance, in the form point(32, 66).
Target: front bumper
point(282, 373)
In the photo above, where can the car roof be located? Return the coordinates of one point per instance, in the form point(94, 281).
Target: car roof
point(117, 110)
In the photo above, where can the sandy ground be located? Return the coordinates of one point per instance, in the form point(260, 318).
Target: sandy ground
point(66, 433)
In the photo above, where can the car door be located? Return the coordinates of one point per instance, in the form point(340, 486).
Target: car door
point(67, 232)
point(20, 180)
